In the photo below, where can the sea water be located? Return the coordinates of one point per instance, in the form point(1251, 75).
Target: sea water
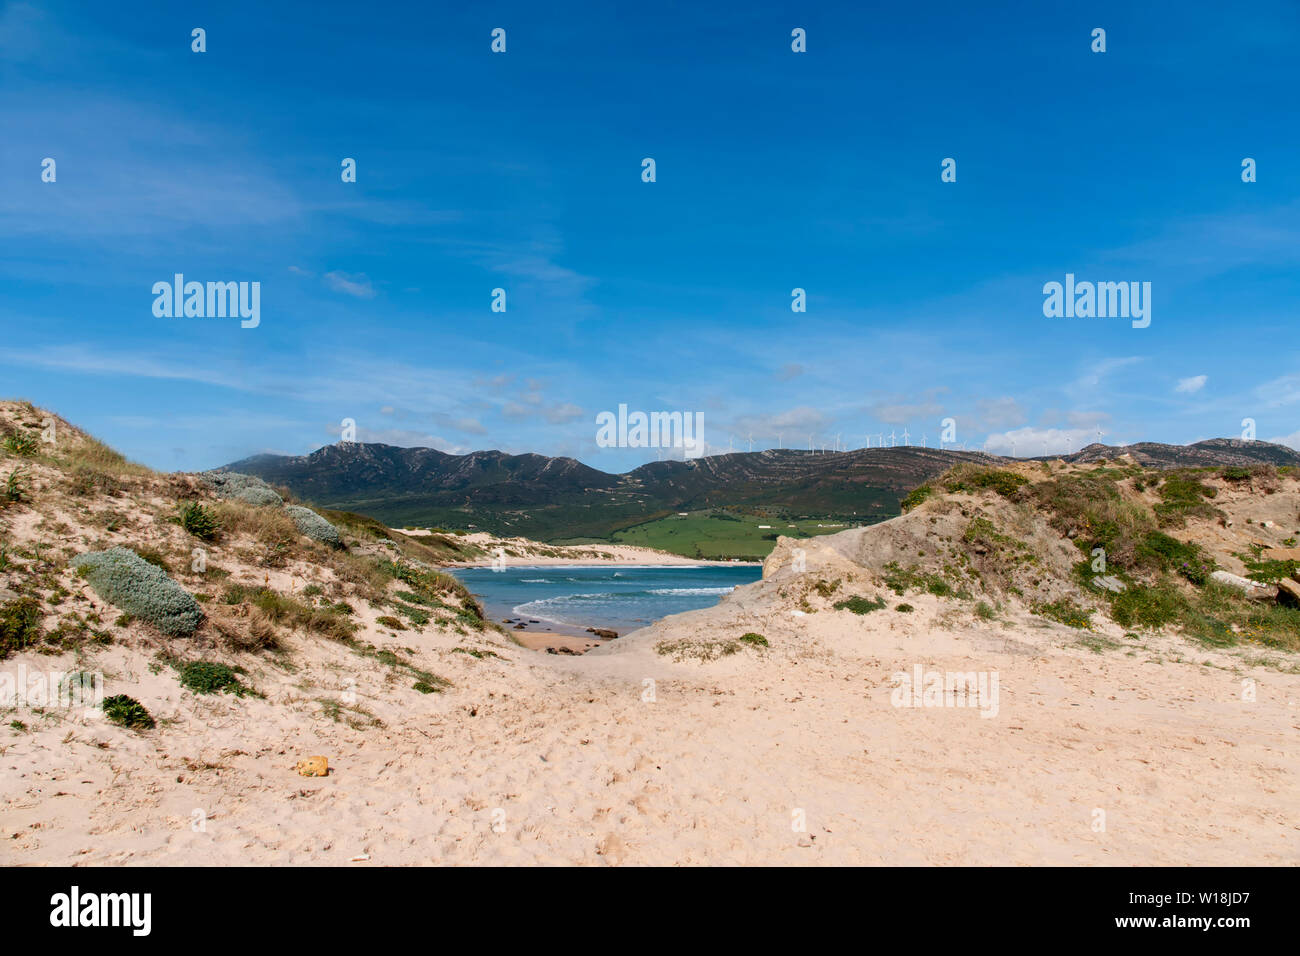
point(620, 597)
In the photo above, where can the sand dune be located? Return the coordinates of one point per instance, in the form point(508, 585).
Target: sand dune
point(683, 743)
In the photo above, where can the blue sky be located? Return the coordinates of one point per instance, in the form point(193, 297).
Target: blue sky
point(775, 170)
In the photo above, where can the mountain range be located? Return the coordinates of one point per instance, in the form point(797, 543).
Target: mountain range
point(558, 499)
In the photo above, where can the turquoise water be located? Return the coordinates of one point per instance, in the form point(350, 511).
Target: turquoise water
point(623, 598)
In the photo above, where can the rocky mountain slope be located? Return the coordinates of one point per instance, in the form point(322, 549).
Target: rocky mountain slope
point(1212, 453)
point(550, 498)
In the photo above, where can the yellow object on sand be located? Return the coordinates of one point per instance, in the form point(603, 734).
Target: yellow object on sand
point(314, 767)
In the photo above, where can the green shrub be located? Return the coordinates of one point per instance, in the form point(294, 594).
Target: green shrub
point(417, 616)
point(125, 580)
point(1270, 572)
point(20, 444)
point(1275, 625)
point(900, 580)
point(128, 712)
point(905, 608)
point(1090, 508)
point(428, 585)
point(1149, 606)
point(313, 525)
point(14, 488)
point(967, 477)
point(859, 605)
point(20, 625)
point(1066, 612)
point(1208, 629)
point(1163, 553)
point(757, 640)
point(1182, 496)
point(985, 610)
point(387, 620)
point(199, 521)
point(205, 677)
point(915, 497)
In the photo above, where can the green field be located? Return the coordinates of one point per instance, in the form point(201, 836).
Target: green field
point(717, 534)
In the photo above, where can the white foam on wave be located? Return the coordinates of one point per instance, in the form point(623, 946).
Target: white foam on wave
point(721, 590)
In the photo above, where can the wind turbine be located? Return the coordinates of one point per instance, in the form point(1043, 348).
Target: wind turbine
point(904, 436)
point(751, 441)
point(838, 435)
point(923, 439)
point(880, 439)
point(810, 444)
point(892, 437)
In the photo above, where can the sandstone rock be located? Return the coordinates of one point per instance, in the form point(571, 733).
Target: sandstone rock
point(1252, 589)
point(603, 632)
point(313, 767)
point(1289, 590)
point(1281, 554)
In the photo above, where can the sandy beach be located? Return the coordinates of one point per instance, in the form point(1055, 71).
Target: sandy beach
point(795, 722)
point(521, 552)
point(631, 756)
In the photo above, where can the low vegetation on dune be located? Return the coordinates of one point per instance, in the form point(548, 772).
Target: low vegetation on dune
point(1147, 545)
point(125, 580)
point(249, 489)
point(313, 525)
point(212, 577)
point(128, 712)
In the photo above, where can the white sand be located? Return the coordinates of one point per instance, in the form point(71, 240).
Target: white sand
point(521, 552)
point(584, 770)
point(1151, 751)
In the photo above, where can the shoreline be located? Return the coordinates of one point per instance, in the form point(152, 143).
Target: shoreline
point(538, 632)
point(545, 634)
point(526, 553)
point(539, 563)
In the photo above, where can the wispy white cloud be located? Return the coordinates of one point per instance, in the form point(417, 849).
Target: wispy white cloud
point(353, 284)
point(1191, 385)
point(1292, 440)
point(1279, 391)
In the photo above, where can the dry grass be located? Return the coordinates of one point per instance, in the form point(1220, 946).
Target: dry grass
point(265, 525)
